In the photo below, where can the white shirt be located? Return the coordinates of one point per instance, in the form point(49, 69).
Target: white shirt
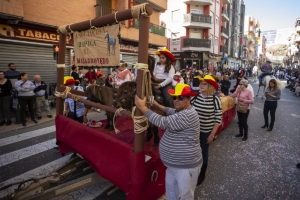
point(255, 68)
point(159, 73)
point(79, 105)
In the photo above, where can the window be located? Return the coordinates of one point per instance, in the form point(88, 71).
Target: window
point(194, 11)
point(217, 20)
point(175, 41)
point(216, 41)
point(211, 39)
point(176, 16)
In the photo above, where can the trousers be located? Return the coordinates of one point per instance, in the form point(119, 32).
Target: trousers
point(181, 183)
point(270, 106)
point(204, 146)
point(5, 112)
point(25, 101)
point(38, 102)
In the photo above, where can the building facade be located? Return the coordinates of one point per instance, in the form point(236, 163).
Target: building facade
point(28, 31)
point(194, 29)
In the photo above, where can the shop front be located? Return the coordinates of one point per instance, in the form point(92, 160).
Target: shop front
point(191, 60)
point(31, 48)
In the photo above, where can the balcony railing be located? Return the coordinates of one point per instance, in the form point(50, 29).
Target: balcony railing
point(193, 42)
point(191, 17)
point(225, 49)
point(102, 10)
point(153, 28)
point(225, 15)
point(224, 30)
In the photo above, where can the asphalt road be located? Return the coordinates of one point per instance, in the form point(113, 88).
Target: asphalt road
point(263, 167)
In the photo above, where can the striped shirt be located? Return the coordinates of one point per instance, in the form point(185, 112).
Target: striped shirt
point(179, 146)
point(276, 93)
point(209, 112)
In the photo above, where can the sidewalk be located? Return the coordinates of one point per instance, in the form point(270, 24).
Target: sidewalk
point(94, 115)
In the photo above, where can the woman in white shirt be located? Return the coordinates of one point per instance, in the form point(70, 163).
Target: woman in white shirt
point(164, 71)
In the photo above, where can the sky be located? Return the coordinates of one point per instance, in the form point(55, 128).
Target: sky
point(274, 14)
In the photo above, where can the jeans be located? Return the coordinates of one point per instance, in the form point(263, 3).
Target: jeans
point(204, 146)
point(5, 112)
point(243, 126)
point(260, 77)
point(24, 101)
point(270, 106)
point(181, 182)
point(168, 102)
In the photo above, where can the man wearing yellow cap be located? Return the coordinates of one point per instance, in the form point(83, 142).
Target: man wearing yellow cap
point(179, 147)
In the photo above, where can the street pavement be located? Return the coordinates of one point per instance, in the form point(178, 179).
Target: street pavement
point(263, 167)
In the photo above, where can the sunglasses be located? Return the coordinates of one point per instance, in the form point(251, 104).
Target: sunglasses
point(178, 97)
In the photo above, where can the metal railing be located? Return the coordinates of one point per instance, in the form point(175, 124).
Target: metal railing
point(153, 28)
point(102, 10)
point(224, 12)
point(193, 42)
point(224, 30)
point(191, 17)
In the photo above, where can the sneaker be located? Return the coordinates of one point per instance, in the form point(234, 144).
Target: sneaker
point(50, 116)
point(34, 121)
point(23, 124)
point(239, 135)
point(8, 122)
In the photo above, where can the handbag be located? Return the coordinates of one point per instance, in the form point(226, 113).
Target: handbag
point(241, 108)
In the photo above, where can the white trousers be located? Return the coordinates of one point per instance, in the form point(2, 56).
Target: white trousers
point(181, 183)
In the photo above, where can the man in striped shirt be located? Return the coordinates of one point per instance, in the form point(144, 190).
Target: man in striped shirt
point(179, 147)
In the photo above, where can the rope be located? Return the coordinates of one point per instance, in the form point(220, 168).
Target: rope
point(137, 120)
point(63, 94)
point(70, 28)
point(62, 29)
point(116, 16)
point(76, 97)
point(140, 66)
point(61, 65)
point(117, 113)
point(138, 10)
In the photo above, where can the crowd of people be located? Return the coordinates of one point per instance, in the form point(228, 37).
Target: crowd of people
point(191, 103)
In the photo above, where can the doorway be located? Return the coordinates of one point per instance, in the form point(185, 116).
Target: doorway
point(192, 63)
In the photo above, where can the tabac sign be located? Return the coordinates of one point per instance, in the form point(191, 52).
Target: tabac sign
point(97, 47)
point(29, 33)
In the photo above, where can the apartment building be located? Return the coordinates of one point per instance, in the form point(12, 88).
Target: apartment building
point(28, 31)
point(194, 31)
point(233, 47)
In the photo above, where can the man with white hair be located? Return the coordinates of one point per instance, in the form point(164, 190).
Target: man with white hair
point(41, 97)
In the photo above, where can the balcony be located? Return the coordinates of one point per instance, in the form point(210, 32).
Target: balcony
point(199, 2)
point(226, 1)
point(160, 5)
point(225, 49)
point(193, 44)
point(224, 32)
point(225, 17)
point(102, 10)
point(153, 28)
point(197, 21)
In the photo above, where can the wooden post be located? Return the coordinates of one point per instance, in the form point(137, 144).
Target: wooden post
point(60, 72)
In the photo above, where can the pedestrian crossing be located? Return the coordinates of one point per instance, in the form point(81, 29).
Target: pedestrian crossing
point(37, 158)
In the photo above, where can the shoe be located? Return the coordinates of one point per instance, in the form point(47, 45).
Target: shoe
point(8, 122)
point(34, 121)
point(50, 116)
point(2, 123)
point(244, 138)
point(269, 129)
point(264, 126)
point(39, 117)
point(239, 135)
point(23, 124)
point(298, 165)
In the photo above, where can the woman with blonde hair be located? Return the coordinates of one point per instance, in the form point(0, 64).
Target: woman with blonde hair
point(244, 98)
point(209, 109)
point(272, 94)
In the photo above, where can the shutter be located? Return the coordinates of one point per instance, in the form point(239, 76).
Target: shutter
point(130, 59)
point(34, 59)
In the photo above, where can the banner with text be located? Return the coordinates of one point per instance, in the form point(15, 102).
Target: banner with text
point(97, 47)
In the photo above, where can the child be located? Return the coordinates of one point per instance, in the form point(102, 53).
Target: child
point(177, 79)
point(164, 70)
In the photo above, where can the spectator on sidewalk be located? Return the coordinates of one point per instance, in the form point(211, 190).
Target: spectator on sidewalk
point(12, 74)
point(26, 97)
point(75, 75)
point(5, 88)
point(225, 85)
point(41, 97)
point(91, 75)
